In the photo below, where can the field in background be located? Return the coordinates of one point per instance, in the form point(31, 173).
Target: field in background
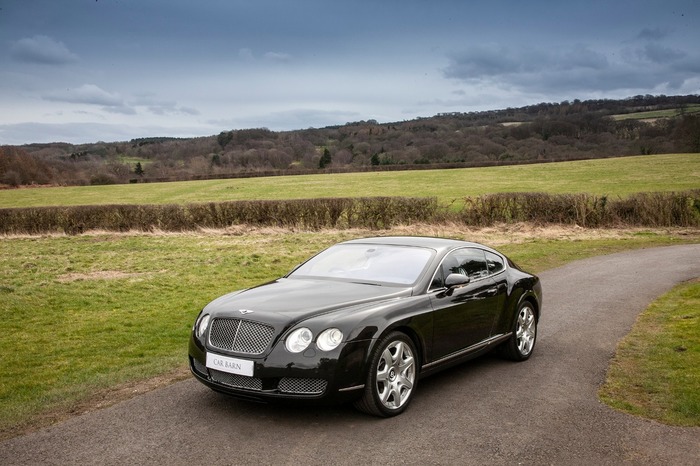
point(655, 114)
point(610, 177)
point(130, 299)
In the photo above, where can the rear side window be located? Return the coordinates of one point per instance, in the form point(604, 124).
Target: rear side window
point(468, 261)
point(473, 262)
point(495, 263)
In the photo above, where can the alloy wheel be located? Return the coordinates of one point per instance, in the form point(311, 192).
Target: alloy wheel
point(396, 374)
point(526, 330)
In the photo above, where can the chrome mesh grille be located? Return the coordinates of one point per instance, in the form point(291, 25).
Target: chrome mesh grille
point(240, 336)
point(238, 381)
point(302, 386)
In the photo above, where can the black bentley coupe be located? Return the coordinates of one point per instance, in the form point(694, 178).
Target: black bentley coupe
point(364, 320)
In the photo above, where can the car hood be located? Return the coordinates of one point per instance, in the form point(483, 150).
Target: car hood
point(287, 300)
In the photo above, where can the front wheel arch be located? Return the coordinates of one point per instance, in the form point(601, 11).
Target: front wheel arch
point(391, 376)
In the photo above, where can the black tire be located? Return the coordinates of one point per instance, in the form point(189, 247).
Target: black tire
point(520, 345)
point(392, 377)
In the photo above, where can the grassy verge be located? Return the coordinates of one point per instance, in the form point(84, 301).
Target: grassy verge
point(84, 314)
point(602, 177)
point(656, 369)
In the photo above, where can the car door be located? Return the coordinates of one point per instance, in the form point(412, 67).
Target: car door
point(463, 316)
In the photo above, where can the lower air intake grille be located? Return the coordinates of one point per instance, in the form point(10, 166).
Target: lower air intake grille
point(302, 386)
point(237, 381)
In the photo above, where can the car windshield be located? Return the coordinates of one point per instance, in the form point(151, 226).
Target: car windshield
point(368, 263)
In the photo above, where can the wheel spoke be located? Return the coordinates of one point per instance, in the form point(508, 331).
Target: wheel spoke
point(388, 357)
point(395, 397)
point(405, 364)
point(385, 394)
point(406, 382)
point(399, 353)
point(383, 375)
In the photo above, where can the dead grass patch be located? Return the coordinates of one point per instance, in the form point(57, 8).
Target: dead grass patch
point(101, 275)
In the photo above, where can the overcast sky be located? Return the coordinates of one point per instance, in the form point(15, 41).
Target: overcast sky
point(112, 70)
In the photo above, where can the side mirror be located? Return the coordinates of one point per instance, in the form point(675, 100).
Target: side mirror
point(455, 280)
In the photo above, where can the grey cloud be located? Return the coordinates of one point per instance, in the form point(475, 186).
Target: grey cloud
point(490, 61)
point(189, 111)
point(90, 94)
point(652, 34)
point(120, 109)
point(582, 57)
point(86, 94)
point(660, 54)
point(162, 107)
point(575, 69)
point(278, 56)
point(482, 61)
point(172, 109)
point(246, 54)
point(42, 50)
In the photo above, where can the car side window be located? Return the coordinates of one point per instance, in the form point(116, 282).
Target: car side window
point(472, 263)
point(495, 263)
point(468, 261)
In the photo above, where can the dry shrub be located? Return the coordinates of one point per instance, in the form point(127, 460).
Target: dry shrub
point(585, 210)
point(658, 209)
point(372, 213)
point(312, 214)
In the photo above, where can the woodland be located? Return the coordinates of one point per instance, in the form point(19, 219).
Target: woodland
point(545, 132)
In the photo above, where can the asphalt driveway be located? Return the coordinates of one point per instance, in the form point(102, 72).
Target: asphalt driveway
point(488, 411)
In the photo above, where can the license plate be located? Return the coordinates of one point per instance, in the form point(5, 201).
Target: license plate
point(230, 365)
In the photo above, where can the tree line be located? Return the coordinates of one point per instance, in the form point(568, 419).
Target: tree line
point(537, 133)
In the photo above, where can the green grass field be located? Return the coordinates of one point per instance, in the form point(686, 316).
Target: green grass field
point(611, 177)
point(84, 314)
point(653, 114)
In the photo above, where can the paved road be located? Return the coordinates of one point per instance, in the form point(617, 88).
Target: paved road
point(543, 411)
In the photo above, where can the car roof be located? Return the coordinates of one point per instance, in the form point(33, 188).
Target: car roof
point(439, 244)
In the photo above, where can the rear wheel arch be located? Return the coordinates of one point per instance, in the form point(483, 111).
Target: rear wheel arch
point(533, 302)
point(521, 343)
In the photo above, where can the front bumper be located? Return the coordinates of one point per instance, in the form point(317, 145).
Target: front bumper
point(323, 377)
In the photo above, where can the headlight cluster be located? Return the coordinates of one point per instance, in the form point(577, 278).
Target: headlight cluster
point(200, 327)
point(301, 338)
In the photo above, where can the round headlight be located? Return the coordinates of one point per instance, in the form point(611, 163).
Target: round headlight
point(299, 340)
point(202, 326)
point(329, 339)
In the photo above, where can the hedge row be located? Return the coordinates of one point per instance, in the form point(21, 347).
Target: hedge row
point(669, 209)
point(645, 209)
point(371, 213)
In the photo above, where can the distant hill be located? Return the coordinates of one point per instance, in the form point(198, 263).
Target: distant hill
point(536, 133)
